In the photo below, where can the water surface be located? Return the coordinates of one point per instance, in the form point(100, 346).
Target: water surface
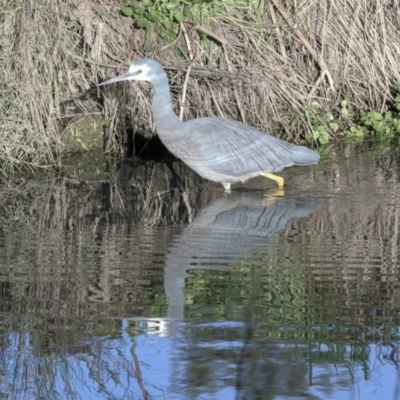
point(148, 283)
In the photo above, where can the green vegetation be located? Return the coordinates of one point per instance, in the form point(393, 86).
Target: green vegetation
point(160, 17)
point(352, 125)
point(320, 123)
point(147, 14)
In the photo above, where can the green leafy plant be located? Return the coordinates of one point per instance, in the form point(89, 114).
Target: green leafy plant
point(322, 124)
point(378, 124)
point(355, 133)
point(161, 13)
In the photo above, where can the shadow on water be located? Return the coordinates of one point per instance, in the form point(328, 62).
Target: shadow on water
point(148, 282)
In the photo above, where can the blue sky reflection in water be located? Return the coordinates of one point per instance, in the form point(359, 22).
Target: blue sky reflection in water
point(164, 372)
point(254, 295)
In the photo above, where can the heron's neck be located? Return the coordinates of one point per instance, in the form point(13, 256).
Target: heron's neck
point(164, 115)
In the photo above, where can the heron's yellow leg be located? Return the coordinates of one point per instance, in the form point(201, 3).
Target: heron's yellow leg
point(278, 179)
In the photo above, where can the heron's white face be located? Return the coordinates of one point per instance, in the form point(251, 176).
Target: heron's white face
point(138, 71)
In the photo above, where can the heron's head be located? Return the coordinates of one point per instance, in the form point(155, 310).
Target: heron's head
point(144, 69)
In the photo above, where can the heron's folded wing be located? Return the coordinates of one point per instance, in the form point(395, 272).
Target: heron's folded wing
point(232, 148)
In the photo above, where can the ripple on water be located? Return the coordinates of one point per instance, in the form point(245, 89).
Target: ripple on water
point(263, 294)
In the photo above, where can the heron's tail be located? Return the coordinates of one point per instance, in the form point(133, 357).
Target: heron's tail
point(304, 156)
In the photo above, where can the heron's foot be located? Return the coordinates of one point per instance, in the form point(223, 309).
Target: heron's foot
point(278, 179)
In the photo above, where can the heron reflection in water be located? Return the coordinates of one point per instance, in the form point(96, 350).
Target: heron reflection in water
point(224, 233)
point(218, 149)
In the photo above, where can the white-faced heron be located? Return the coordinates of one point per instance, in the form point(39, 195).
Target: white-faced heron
point(218, 149)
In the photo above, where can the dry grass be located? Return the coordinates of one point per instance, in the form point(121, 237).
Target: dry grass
point(278, 56)
point(50, 55)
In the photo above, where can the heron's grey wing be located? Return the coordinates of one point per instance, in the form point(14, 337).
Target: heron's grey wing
point(232, 148)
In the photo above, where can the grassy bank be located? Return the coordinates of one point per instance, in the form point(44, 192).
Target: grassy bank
point(313, 70)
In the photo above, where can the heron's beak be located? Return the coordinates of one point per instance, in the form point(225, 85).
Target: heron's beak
point(120, 78)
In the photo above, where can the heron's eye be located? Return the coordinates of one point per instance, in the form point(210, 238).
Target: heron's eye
point(139, 71)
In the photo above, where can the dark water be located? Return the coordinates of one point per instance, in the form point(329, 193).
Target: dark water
point(145, 282)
